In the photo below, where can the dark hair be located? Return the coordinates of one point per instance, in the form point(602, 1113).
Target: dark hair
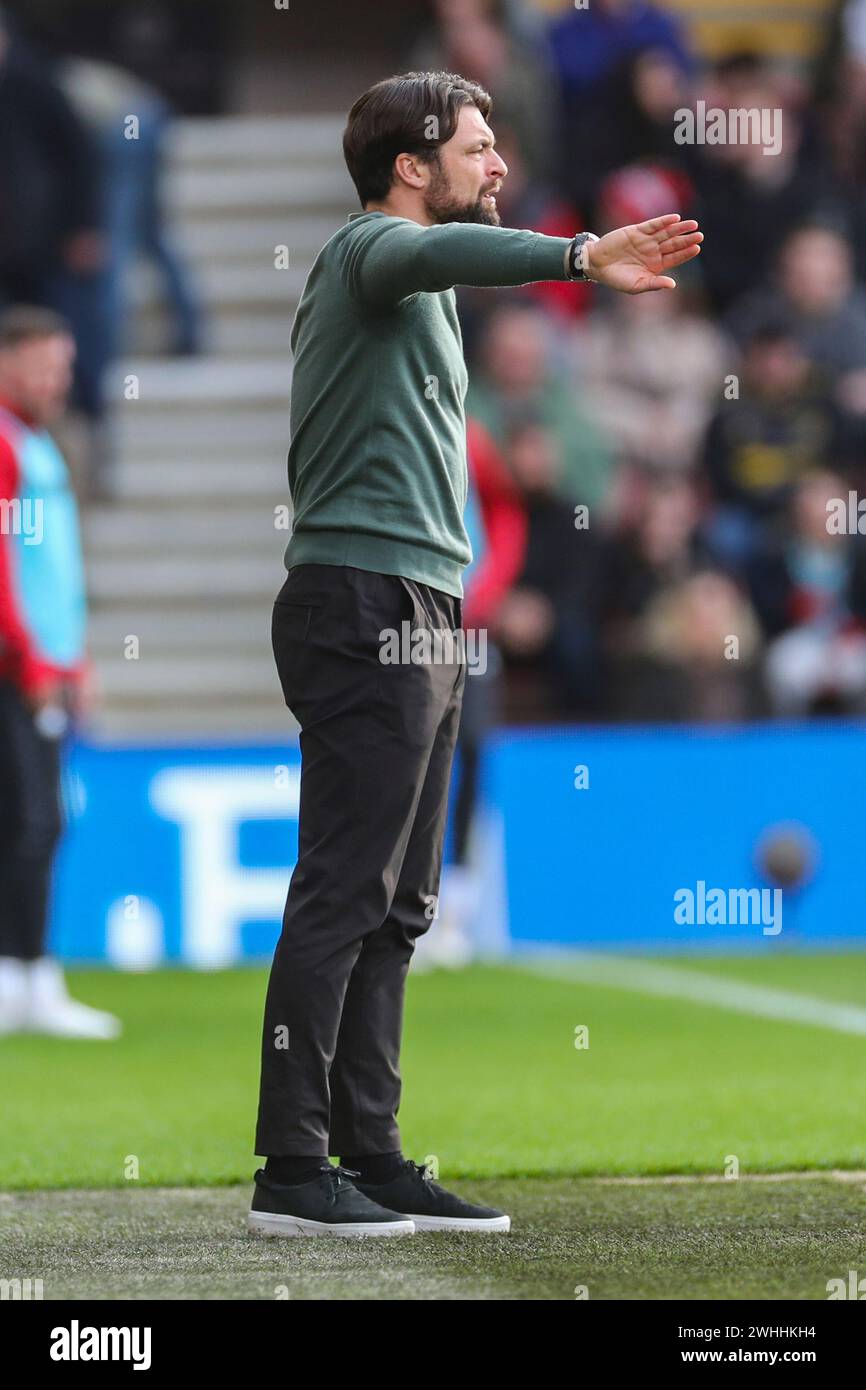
point(394, 117)
point(826, 221)
point(22, 323)
point(773, 327)
point(743, 62)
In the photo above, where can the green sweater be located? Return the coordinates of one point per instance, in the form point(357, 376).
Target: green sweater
point(377, 462)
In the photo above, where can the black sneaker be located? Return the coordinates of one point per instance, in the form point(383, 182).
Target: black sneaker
point(430, 1207)
point(327, 1205)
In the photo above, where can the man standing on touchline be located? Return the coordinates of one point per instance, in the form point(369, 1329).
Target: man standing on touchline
point(377, 472)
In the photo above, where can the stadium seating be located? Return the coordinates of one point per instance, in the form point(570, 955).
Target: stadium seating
point(185, 555)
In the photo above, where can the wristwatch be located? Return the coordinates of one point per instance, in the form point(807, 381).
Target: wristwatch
point(576, 257)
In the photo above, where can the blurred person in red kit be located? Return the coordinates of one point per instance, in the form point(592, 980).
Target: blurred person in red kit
point(497, 526)
point(42, 667)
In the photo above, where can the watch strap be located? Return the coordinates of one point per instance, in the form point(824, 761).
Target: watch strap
point(577, 263)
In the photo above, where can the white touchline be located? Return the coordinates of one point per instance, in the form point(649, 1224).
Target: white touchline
point(849, 1175)
point(669, 982)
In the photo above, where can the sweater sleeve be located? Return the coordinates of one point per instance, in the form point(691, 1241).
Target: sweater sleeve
point(390, 258)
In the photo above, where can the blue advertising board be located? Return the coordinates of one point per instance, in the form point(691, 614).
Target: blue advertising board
point(641, 839)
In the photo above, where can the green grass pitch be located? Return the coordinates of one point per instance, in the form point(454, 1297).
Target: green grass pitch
point(495, 1088)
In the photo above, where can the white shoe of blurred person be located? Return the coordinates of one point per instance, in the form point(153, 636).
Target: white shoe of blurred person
point(447, 943)
point(13, 995)
point(51, 1010)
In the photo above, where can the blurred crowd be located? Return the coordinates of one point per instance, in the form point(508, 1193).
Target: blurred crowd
point(674, 455)
point(81, 156)
point(653, 474)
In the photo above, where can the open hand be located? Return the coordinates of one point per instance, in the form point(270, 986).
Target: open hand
point(638, 258)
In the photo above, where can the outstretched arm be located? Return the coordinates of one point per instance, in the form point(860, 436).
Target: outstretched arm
point(391, 258)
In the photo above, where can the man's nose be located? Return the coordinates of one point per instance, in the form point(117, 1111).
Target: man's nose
point(497, 168)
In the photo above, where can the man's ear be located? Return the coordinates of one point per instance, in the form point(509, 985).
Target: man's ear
point(407, 168)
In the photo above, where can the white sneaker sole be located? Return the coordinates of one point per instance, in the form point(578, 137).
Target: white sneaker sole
point(74, 1021)
point(492, 1224)
point(268, 1223)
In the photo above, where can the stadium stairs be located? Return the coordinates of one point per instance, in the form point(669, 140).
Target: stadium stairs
point(185, 555)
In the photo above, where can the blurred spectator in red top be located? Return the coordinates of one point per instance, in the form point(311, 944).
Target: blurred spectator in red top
point(504, 521)
point(496, 523)
point(550, 618)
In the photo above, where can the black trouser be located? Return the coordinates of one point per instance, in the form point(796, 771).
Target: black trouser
point(377, 741)
point(30, 825)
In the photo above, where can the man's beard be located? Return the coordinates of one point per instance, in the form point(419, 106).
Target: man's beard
point(440, 204)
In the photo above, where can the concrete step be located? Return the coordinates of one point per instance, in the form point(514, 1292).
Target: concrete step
point(232, 283)
point(147, 529)
point(199, 433)
point(206, 238)
point(229, 329)
point(262, 139)
point(163, 629)
point(315, 189)
point(222, 578)
point(218, 481)
point(198, 675)
point(192, 384)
